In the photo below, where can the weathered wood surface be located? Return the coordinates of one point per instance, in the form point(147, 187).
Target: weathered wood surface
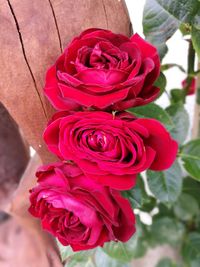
point(32, 35)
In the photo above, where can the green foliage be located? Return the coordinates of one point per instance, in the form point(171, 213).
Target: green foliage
point(190, 155)
point(196, 40)
point(162, 18)
point(65, 252)
point(196, 19)
point(166, 230)
point(74, 258)
point(124, 252)
point(134, 248)
point(192, 187)
point(138, 196)
point(99, 259)
point(103, 260)
point(154, 111)
point(166, 262)
point(164, 210)
point(171, 65)
point(191, 249)
point(85, 262)
point(186, 207)
point(166, 185)
point(177, 96)
point(180, 119)
point(161, 82)
point(158, 25)
point(182, 10)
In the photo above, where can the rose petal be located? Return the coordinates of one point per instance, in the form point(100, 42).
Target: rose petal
point(160, 140)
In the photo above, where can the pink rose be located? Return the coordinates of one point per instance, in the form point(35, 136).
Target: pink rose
point(104, 70)
point(78, 211)
point(111, 149)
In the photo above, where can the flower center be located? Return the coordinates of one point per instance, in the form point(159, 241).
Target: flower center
point(102, 56)
point(98, 141)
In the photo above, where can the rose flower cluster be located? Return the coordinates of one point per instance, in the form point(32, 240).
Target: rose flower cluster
point(101, 148)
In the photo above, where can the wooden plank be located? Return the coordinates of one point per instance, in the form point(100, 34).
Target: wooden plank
point(40, 40)
point(17, 89)
point(74, 16)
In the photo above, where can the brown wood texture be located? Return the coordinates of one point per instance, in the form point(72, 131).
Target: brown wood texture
point(32, 35)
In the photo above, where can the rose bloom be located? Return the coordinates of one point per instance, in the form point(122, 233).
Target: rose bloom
point(111, 149)
point(77, 210)
point(104, 70)
point(192, 86)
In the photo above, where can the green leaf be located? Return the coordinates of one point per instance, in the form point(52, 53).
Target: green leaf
point(124, 252)
point(195, 263)
point(167, 230)
point(134, 248)
point(191, 248)
point(171, 65)
point(186, 207)
point(166, 185)
point(85, 262)
point(192, 187)
point(164, 211)
point(161, 82)
point(196, 20)
point(196, 40)
point(190, 155)
point(149, 205)
point(158, 25)
point(177, 96)
point(66, 252)
point(185, 28)
point(166, 262)
point(103, 260)
point(182, 10)
point(153, 111)
point(138, 197)
point(82, 259)
point(181, 121)
point(161, 18)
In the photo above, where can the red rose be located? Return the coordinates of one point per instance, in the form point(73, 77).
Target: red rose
point(78, 211)
point(111, 150)
point(104, 70)
point(192, 86)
